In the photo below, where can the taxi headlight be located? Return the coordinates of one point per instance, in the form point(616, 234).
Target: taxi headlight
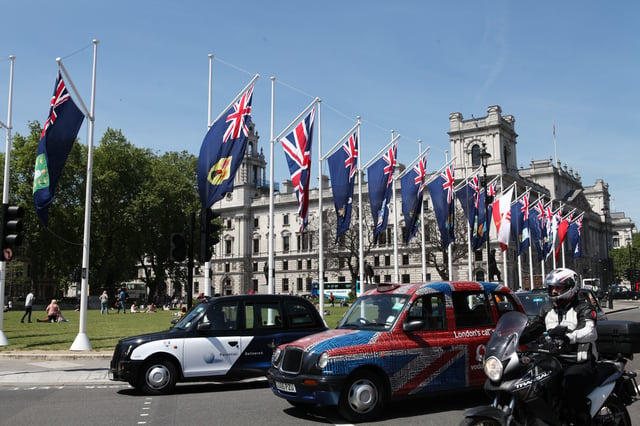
point(493, 368)
point(322, 361)
point(275, 357)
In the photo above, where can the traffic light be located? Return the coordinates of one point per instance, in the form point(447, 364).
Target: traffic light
point(11, 229)
point(210, 227)
point(178, 250)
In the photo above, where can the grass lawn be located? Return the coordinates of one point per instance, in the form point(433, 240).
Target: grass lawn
point(103, 331)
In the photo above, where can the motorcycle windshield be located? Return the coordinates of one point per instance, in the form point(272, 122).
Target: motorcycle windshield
point(507, 333)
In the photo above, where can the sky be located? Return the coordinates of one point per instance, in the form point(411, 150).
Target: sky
point(401, 66)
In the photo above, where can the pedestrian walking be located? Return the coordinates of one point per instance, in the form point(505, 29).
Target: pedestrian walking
point(28, 305)
point(120, 302)
point(104, 303)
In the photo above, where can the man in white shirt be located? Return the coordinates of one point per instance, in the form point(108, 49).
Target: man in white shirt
point(28, 305)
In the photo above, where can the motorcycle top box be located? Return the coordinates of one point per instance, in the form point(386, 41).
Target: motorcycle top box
point(618, 337)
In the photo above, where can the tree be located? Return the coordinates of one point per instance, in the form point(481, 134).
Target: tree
point(626, 261)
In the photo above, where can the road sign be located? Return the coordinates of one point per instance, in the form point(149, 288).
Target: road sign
point(7, 253)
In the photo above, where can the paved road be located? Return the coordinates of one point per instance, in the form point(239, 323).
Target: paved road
point(59, 368)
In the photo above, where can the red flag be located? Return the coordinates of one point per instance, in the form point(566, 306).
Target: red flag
point(562, 233)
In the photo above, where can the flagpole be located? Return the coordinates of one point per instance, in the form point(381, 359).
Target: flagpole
point(396, 272)
point(270, 269)
point(360, 212)
point(320, 228)
point(449, 247)
point(207, 262)
point(422, 238)
point(5, 193)
point(81, 343)
point(518, 250)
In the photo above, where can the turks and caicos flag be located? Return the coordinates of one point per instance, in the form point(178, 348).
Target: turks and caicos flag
point(412, 190)
point(574, 232)
point(442, 194)
point(222, 150)
point(343, 167)
point(380, 176)
point(58, 134)
point(297, 150)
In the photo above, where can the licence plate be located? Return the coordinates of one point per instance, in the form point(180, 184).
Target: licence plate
point(286, 387)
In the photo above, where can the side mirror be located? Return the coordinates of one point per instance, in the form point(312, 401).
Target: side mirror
point(413, 325)
point(204, 326)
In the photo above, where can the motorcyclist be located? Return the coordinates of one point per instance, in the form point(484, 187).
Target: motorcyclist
point(574, 321)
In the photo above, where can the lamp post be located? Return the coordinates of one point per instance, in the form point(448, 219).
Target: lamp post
point(484, 158)
point(608, 263)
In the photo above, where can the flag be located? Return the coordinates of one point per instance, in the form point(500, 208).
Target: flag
point(222, 151)
point(502, 218)
point(520, 223)
point(535, 228)
point(297, 150)
point(574, 232)
point(473, 203)
point(547, 229)
point(58, 134)
point(412, 190)
point(442, 195)
point(380, 175)
point(343, 165)
point(563, 226)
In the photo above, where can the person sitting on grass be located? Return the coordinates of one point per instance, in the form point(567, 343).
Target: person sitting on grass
point(151, 308)
point(53, 310)
point(134, 308)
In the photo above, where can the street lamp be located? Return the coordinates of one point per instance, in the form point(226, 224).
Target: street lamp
point(484, 158)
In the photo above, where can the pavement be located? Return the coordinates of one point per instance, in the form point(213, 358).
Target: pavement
point(60, 368)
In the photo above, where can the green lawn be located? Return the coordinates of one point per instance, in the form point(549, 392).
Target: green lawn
point(103, 331)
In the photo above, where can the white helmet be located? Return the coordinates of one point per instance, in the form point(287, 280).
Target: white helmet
point(566, 280)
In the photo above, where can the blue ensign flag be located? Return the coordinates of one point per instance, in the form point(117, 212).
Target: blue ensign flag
point(412, 190)
point(380, 175)
point(574, 232)
point(222, 151)
point(442, 197)
point(343, 166)
point(58, 135)
point(535, 230)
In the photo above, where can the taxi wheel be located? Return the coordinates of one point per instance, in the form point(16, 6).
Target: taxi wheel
point(362, 398)
point(158, 377)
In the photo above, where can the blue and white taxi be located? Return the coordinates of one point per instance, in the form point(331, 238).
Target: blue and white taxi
point(396, 341)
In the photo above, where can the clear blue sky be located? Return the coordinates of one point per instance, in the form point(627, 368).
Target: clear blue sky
point(401, 65)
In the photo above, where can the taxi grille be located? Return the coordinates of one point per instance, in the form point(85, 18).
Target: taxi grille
point(292, 360)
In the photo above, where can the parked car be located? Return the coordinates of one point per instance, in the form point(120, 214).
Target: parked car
point(535, 300)
point(620, 292)
point(396, 341)
point(225, 338)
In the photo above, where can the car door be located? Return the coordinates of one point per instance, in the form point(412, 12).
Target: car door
point(474, 321)
point(216, 345)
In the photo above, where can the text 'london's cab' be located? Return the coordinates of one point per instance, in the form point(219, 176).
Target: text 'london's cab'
point(397, 341)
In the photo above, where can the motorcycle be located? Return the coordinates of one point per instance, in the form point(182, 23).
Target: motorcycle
point(526, 382)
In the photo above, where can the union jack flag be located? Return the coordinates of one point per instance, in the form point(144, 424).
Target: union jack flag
point(343, 165)
point(238, 118)
point(390, 159)
point(448, 184)
point(297, 150)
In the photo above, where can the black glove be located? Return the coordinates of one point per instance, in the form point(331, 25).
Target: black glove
point(559, 331)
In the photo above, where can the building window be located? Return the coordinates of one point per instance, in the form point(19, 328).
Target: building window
point(405, 278)
point(382, 239)
point(254, 285)
point(304, 241)
point(285, 285)
point(196, 287)
point(478, 255)
point(227, 247)
point(299, 265)
point(387, 260)
point(255, 266)
point(227, 267)
point(229, 224)
point(285, 265)
point(285, 244)
point(405, 259)
point(255, 222)
point(309, 264)
point(285, 219)
point(387, 278)
point(256, 246)
point(341, 262)
point(376, 260)
point(300, 284)
point(475, 155)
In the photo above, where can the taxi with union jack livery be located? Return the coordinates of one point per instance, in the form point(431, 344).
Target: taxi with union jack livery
point(396, 341)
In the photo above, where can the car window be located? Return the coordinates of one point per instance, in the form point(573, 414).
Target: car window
point(260, 315)
point(471, 309)
point(299, 314)
point(376, 312)
point(429, 308)
point(504, 302)
point(222, 316)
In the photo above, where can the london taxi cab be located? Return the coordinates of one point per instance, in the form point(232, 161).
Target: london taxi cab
point(396, 341)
